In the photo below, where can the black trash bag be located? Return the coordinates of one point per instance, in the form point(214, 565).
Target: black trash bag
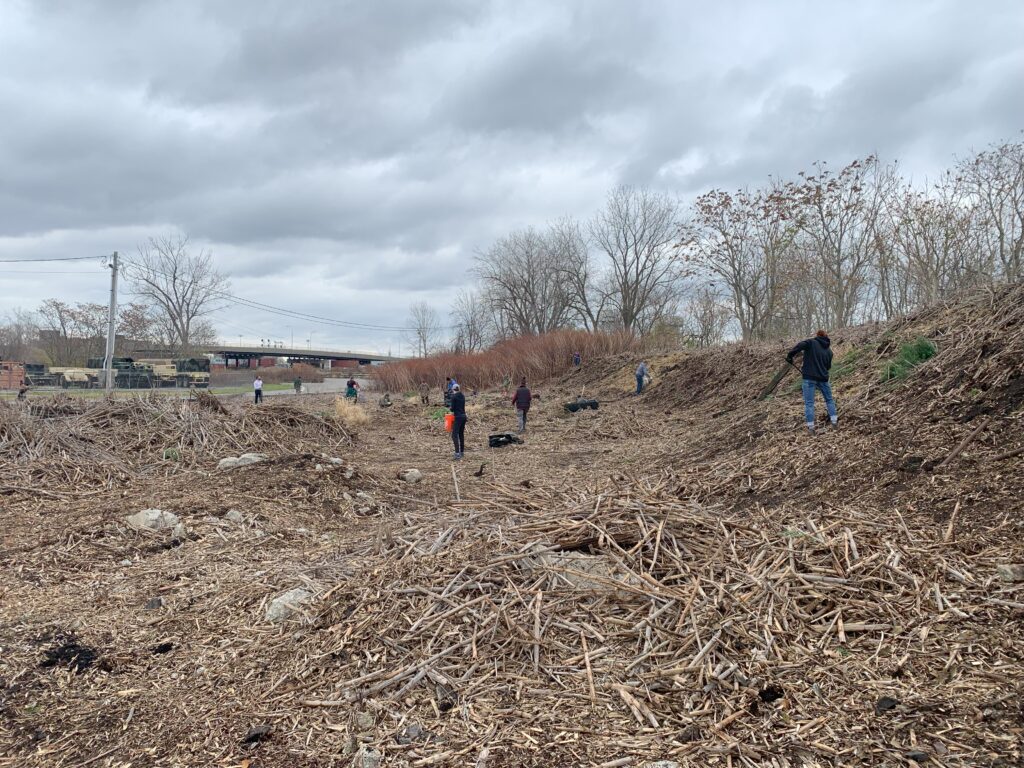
point(581, 404)
point(502, 439)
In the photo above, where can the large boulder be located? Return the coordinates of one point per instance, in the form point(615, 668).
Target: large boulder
point(153, 520)
point(288, 604)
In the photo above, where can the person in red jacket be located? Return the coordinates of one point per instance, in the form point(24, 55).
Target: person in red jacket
point(521, 400)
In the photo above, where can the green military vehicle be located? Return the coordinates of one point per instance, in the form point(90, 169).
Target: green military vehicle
point(128, 374)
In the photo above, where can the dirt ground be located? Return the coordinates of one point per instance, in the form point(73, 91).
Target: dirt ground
point(684, 576)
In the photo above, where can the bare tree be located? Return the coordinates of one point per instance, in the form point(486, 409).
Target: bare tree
point(744, 240)
point(71, 333)
point(839, 216)
point(523, 285)
point(424, 327)
point(995, 179)
point(135, 323)
point(706, 315)
point(636, 231)
point(471, 322)
point(180, 283)
point(19, 331)
point(586, 286)
point(928, 247)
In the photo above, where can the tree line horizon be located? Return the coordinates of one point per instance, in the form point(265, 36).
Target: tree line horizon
point(823, 249)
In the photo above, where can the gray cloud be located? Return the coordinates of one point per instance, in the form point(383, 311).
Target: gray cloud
point(346, 159)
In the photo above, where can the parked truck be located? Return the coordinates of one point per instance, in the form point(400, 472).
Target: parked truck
point(193, 372)
point(165, 372)
point(128, 374)
point(38, 375)
point(74, 378)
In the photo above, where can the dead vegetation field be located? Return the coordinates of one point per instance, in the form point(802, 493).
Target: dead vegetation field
point(684, 576)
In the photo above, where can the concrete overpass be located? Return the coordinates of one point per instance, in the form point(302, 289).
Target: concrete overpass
point(238, 353)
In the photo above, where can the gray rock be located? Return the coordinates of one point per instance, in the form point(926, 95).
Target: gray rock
point(319, 467)
point(411, 733)
point(234, 516)
point(410, 475)
point(153, 520)
point(179, 532)
point(366, 758)
point(336, 461)
point(287, 604)
point(126, 562)
point(1011, 572)
point(577, 568)
point(230, 462)
point(153, 603)
point(365, 721)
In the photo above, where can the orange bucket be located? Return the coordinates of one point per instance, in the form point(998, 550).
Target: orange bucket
point(449, 422)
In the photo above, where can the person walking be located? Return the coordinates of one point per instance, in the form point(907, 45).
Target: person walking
point(458, 409)
point(817, 361)
point(641, 376)
point(577, 359)
point(298, 384)
point(521, 400)
point(257, 389)
point(424, 393)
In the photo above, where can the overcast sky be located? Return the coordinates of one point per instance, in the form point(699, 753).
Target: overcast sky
point(348, 158)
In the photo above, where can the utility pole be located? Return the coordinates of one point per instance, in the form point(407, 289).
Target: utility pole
point(108, 359)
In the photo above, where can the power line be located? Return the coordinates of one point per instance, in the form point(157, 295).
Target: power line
point(251, 304)
point(64, 258)
point(45, 272)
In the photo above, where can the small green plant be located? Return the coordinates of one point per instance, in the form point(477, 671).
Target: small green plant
point(910, 356)
point(172, 454)
point(847, 363)
point(438, 413)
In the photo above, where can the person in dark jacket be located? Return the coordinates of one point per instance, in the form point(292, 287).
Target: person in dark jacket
point(817, 360)
point(458, 408)
point(521, 400)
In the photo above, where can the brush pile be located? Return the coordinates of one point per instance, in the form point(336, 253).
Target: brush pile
point(85, 443)
point(674, 630)
point(684, 576)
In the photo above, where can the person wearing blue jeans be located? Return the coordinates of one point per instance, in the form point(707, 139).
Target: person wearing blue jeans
point(817, 361)
point(641, 374)
point(825, 388)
